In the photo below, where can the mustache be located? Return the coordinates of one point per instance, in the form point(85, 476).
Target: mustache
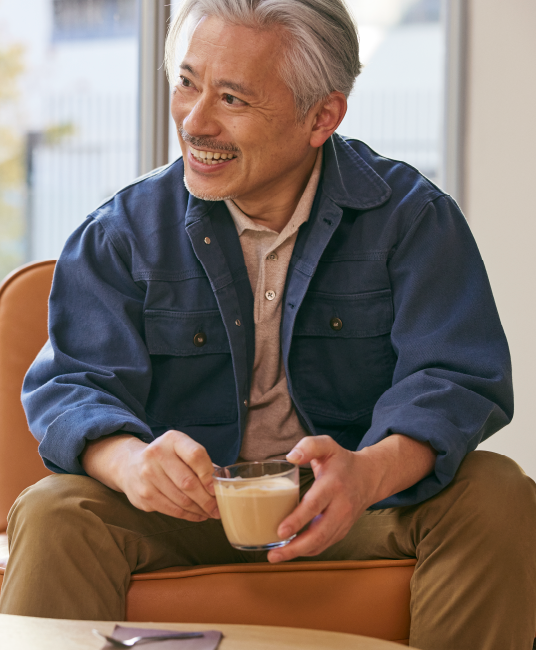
point(207, 143)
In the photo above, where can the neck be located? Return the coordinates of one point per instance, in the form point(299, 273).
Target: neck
point(277, 201)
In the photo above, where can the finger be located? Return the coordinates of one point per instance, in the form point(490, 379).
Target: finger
point(324, 530)
point(179, 474)
point(168, 488)
point(158, 502)
point(189, 484)
point(311, 447)
point(165, 453)
point(315, 501)
point(197, 459)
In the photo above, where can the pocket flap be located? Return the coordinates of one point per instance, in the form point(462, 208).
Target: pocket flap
point(181, 334)
point(345, 316)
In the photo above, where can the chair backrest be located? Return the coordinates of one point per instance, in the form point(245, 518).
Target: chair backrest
point(23, 332)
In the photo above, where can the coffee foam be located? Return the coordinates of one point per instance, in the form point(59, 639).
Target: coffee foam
point(258, 485)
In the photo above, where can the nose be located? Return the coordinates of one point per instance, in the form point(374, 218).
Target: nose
point(200, 120)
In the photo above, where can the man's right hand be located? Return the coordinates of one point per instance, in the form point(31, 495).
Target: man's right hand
point(172, 475)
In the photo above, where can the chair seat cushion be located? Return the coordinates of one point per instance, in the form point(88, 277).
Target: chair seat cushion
point(369, 598)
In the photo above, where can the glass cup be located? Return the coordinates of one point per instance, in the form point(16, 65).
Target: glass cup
point(253, 499)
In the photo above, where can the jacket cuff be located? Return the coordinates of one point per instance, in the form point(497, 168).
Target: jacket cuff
point(63, 443)
point(450, 443)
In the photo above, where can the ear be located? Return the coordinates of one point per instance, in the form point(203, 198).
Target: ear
point(329, 113)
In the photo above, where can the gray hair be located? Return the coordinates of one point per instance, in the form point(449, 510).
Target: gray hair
point(322, 49)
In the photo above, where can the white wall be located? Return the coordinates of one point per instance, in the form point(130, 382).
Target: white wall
point(500, 199)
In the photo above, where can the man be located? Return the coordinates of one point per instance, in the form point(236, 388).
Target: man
point(302, 297)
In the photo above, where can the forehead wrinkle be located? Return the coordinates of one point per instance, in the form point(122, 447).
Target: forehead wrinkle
point(208, 42)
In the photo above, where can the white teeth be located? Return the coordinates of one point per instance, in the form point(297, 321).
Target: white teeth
point(209, 157)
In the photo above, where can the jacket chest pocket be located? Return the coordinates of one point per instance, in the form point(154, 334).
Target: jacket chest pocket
point(341, 358)
point(193, 380)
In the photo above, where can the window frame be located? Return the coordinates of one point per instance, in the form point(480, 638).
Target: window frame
point(454, 167)
point(153, 88)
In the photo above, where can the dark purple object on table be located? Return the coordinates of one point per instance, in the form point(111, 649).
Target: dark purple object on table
point(209, 641)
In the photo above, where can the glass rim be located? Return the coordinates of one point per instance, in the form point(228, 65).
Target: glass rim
point(254, 462)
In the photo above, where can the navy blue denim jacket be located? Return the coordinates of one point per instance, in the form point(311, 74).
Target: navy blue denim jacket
point(421, 350)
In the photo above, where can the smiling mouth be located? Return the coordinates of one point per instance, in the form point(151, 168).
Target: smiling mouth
point(211, 157)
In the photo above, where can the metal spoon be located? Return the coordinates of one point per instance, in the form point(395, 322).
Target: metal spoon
point(138, 640)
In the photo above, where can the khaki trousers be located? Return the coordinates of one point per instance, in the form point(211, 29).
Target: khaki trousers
point(74, 544)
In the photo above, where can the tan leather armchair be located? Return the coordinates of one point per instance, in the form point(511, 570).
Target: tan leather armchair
point(369, 598)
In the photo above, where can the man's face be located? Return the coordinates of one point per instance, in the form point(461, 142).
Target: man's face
point(230, 104)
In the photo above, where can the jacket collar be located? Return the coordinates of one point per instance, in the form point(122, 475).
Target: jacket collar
point(347, 180)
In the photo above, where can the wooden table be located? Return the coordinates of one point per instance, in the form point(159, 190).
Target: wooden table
point(28, 633)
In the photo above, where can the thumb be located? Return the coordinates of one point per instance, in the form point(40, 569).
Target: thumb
point(310, 448)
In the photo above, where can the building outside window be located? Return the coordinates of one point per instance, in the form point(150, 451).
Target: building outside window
point(77, 19)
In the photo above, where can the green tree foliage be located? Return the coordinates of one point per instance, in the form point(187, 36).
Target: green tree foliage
point(11, 162)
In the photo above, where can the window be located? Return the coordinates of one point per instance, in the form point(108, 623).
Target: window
point(396, 106)
point(69, 118)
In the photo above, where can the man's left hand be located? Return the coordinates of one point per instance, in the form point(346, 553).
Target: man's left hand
point(344, 488)
point(346, 484)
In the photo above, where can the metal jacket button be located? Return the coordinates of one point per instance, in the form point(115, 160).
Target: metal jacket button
point(200, 339)
point(335, 324)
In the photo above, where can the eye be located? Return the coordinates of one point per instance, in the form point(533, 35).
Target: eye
point(231, 100)
point(185, 82)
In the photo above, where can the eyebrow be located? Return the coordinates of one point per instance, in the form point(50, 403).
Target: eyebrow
point(188, 68)
point(234, 85)
point(222, 83)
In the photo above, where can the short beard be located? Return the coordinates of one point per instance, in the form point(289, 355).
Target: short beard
point(208, 197)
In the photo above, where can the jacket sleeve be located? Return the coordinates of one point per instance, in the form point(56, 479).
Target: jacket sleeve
point(93, 376)
point(452, 384)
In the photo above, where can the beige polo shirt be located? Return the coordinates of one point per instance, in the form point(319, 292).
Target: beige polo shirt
point(272, 426)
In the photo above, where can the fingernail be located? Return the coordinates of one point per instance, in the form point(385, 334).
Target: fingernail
point(210, 488)
point(275, 557)
point(294, 456)
point(284, 532)
point(216, 513)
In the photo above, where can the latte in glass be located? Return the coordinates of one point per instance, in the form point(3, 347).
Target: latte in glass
point(253, 499)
